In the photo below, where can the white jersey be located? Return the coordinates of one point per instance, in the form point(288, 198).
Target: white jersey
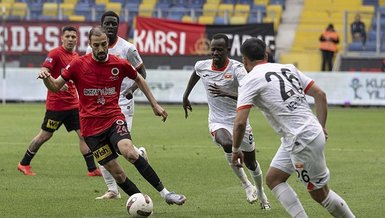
point(221, 109)
point(128, 51)
point(279, 91)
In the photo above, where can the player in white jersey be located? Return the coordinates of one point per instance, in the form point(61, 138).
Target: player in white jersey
point(279, 91)
point(126, 50)
point(220, 76)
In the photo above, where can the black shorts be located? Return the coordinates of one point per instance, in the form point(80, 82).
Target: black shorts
point(104, 145)
point(54, 119)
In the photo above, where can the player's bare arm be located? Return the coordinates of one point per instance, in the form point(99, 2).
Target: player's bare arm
point(129, 92)
point(191, 83)
point(52, 84)
point(321, 105)
point(219, 91)
point(238, 133)
point(158, 110)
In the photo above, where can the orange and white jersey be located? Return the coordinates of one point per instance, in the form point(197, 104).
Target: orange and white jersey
point(222, 110)
point(279, 91)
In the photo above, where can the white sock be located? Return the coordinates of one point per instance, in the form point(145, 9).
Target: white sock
point(257, 177)
point(239, 172)
point(337, 206)
point(289, 200)
point(164, 192)
point(109, 180)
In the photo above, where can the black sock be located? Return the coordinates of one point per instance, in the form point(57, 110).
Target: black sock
point(27, 158)
point(148, 173)
point(89, 158)
point(128, 187)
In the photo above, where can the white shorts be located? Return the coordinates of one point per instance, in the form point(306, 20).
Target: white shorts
point(309, 163)
point(247, 144)
point(127, 107)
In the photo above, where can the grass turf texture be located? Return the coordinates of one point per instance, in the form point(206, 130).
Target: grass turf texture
point(188, 162)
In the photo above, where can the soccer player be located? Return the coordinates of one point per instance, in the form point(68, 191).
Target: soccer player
point(280, 92)
point(123, 49)
point(220, 76)
point(61, 107)
point(98, 77)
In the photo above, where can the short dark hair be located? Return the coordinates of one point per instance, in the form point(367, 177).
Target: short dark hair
point(224, 37)
point(96, 31)
point(109, 13)
point(68, 28)
point(254, 49)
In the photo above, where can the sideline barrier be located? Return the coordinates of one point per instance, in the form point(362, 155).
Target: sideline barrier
point(342, 88)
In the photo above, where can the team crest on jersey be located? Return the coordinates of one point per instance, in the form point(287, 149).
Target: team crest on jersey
point(115, 74)
point(114, 71)
point(228, 76)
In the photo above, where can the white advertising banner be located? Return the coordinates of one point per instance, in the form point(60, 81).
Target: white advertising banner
point(351, 88)
point(168, 86)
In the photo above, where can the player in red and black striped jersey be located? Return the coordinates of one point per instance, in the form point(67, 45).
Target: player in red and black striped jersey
point(98, 77)
point(61, 107)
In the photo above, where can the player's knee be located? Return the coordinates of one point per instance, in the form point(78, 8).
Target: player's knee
point(270, 182)
point(119, 176)
point(130, 154)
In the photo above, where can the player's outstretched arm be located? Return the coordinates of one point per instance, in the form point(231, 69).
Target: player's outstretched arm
point(321, 105)
point(158, 110)
point(191, 83)
point(52, 84)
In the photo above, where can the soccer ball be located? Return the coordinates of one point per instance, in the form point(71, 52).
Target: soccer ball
point(139, 205)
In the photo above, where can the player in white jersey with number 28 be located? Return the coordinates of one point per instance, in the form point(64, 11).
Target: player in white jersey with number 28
point(279, 91)
point(220, 76)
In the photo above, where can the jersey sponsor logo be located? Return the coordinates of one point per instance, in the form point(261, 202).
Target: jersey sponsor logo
point(102, 153)
point(52, 124)
point(102, 91)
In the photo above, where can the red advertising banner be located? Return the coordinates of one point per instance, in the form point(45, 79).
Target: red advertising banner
point(166, 37)
point(163, 37)
point(40, 37)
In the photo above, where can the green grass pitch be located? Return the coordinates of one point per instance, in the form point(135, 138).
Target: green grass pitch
point(187, 161)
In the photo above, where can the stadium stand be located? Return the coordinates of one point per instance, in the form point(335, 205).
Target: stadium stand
point(232, 11)
point(225, 10)
point(114, 6)
point(314, 18)
point(19, 10)
point(206, 19)
point(50, 11)
point(66, 9)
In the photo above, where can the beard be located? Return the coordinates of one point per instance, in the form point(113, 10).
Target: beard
point(101, 56)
